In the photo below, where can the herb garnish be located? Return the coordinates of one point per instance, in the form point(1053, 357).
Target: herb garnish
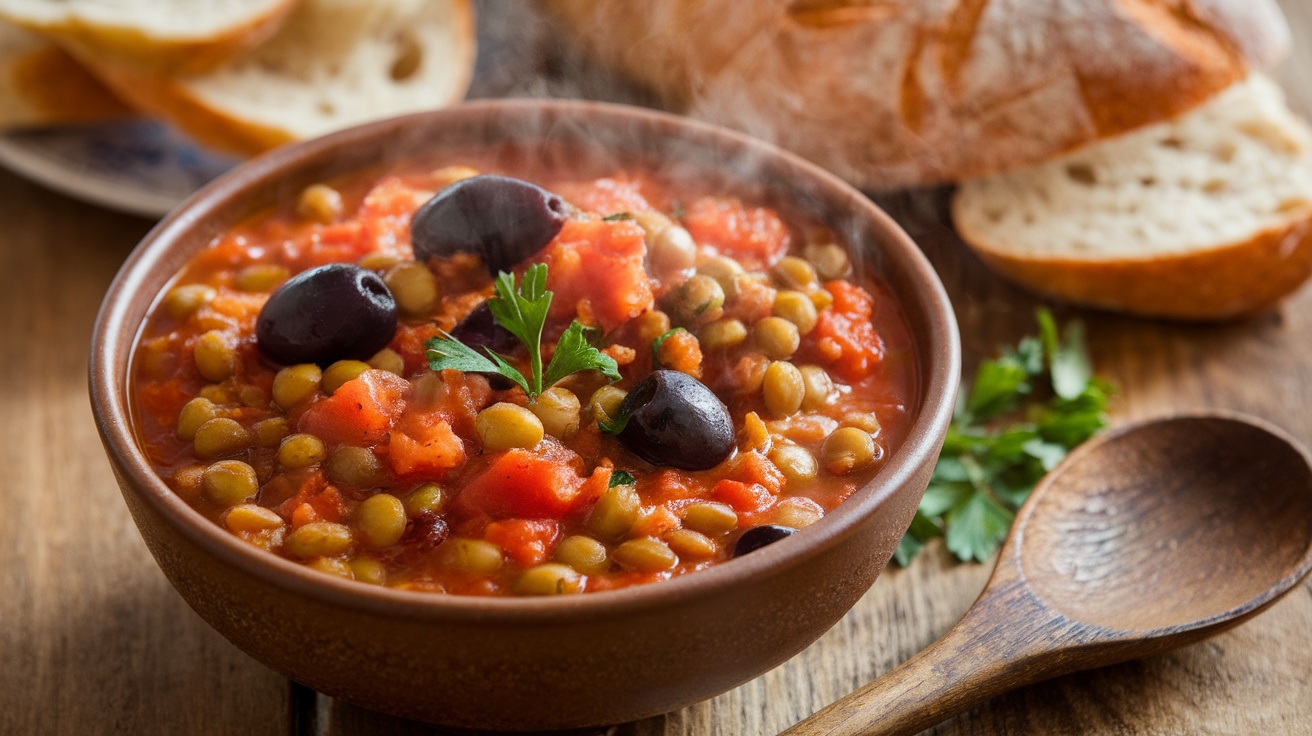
point(524, 313)
point(988, 467)
point(620, 478)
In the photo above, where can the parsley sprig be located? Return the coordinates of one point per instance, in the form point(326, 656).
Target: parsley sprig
point(1025, 410)
point(523, 312)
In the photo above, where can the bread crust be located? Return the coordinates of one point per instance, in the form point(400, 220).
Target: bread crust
point(1219, 283)
point(896, 94)
point(43, 85)
point(171, 97)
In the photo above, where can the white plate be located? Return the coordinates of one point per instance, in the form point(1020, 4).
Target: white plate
point(138, 166)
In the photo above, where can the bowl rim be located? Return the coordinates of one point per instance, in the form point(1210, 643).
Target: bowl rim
point(110, 397)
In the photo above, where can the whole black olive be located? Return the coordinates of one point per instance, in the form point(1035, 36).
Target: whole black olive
point(759, 536)
point(671, 418)
point(326, 314)
point(502, 219)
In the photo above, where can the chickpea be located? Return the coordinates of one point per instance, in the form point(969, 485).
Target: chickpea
point(819, 387)
point(822, 299)
point(830, 260)
point(776, 337)
point(549, 579)
point(558, 409)
point(796, 463)
point(355, 466)
point(228, 483)
point(605, 403)
point(710, 518)
point(866, 421)
point(252, 396)
point(378, 261)
point(301, 451)
point(388, 360)
point(331, 566)
point(792, 272)
point(413, 286)
point(473, 556)
point(183, 301)
point(782, 388)
point(261, 277)
point(645, 554)
point(340, 372)
point(319, 203)
point(217, 392)
point(797, 512)
point(615, 512)
point(215, 356)
point(428, 498)
point(380, 520)
point(652, 324)
point(797, 308)
point(725, 271)
point(220, 436)
point(670, 248)
point(270, 432)
point(690, 544)
point(699, 298)
point(296, 383)
point(194, 413)
point(503, 426)
point(368, 570)
point(249, 517)
point(846, 450)
point(722, 333)
point(318, 539)
point(584, 554)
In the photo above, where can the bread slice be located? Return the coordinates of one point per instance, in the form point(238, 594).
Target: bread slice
point(896, 94)
point(40, 84)
point(333, 64)
point(179, 36)
point(1205, 217)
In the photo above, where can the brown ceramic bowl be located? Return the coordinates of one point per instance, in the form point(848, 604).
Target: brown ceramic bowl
point(535, 663)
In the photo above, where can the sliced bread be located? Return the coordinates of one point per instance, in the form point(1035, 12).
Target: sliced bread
point(40, 84)
point(168, 35)
point(1208, 216)
point(333, 64)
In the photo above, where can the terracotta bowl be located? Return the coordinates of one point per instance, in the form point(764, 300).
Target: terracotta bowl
point(518, 664)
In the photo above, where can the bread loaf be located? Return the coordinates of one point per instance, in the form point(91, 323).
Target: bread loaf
point(333, 64)
point(42, 85)
point(1205, 217)
point(177, 36)
point(896, 93)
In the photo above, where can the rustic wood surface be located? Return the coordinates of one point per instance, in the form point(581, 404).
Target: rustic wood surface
point(93, 640)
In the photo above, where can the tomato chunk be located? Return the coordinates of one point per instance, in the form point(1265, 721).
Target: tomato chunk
point(844, 335)
point(526, 541)
point(361, 412)
point(523, 484)
point(425, 445)
point(754, 236)
point(596, 270)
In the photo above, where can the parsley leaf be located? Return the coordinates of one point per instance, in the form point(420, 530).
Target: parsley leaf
point(523, 312)
point(1025, 410)
point(620, 478)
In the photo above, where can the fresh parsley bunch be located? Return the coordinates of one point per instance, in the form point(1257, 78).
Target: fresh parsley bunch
point(1025, 410)
point(523, 312)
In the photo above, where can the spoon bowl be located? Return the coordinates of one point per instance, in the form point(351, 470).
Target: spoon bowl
point(1153, 536)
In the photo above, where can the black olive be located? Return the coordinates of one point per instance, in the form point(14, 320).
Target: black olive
point(671, 418)
point(326, 314)
point(480, 329)
point(759, 536)
point(504, 220)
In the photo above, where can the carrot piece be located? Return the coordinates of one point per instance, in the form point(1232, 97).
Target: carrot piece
point(655, 523)
point(524, 484)
point(526, 541)
point(754, 236)
point(361, 412)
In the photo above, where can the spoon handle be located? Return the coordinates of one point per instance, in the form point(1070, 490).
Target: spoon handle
point(1002, 643)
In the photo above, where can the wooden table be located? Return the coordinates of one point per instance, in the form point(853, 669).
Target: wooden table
point(93, 639)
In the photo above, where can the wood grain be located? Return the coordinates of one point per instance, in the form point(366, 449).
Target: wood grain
point(93, 640)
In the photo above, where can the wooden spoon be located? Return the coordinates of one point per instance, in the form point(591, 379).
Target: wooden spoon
point(1153, 536)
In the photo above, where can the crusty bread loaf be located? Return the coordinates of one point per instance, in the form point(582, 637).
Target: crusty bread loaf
point(1208, 216)
point(898, 93)
point(177, 36)
point(40, 84)
point(333, 64)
